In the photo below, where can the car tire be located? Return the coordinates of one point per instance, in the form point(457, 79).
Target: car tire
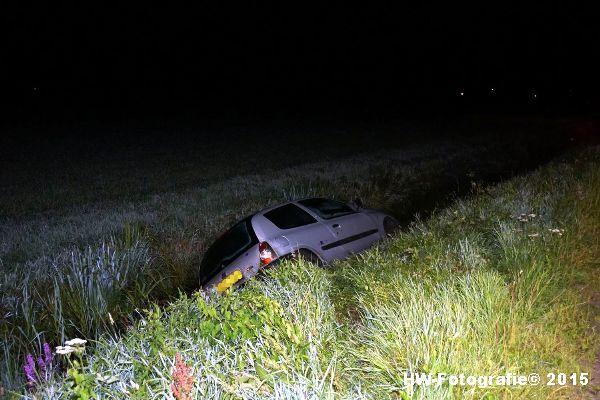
point(309, 256)
point(390, 225)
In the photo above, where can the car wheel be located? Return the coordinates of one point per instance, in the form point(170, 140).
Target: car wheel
point(390, 225)
point(309, 256)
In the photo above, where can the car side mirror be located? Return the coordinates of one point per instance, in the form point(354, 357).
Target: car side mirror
point(356, 204)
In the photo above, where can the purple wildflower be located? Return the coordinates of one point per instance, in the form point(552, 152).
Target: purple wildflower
point(29, 368)
point(45, 361)
point(48, 358)
point(42, 366)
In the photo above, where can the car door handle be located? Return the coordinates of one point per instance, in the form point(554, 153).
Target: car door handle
point(335, 225)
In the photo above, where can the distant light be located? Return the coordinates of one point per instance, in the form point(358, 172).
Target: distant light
point(535, 96)
point(492, 89)
point(34, 88)
point(462, 93)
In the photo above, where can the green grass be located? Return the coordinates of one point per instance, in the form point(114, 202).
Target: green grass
point(67, 271)
point(86, 258)
point(485, 286)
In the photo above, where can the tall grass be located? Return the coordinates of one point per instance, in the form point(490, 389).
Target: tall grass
point(80, 292)
point(511, 304)
point(84, 271)
point(495, 283)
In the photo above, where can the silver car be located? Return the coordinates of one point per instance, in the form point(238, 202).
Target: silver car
point(320, 230)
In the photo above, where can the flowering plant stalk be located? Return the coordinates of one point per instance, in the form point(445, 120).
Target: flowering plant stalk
point(183, 381)
point(41, 372)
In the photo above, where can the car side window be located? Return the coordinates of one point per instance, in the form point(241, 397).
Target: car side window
point(326, 208)
point(289, 216)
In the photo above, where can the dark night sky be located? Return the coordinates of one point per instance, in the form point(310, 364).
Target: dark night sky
point(228, 58)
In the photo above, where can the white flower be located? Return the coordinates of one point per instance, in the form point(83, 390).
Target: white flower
point(64, 349)
point(76, 342)
point(532, 215)
point(134, 385)
point(534, 235)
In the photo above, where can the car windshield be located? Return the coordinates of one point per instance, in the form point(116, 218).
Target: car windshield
point(226, 249)
point(289, 216)
point(326, 208)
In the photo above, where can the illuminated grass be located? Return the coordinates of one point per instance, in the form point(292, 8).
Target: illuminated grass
point(512, 303)
point(72, 272)
point(53, 265)
point(473, 290)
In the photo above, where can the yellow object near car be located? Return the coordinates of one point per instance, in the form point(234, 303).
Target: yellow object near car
point(229, 280)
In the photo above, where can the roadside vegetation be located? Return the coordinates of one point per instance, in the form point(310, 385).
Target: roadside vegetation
point(496, 282)
point(492, 284)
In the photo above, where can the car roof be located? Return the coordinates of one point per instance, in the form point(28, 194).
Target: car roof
point(265, 210)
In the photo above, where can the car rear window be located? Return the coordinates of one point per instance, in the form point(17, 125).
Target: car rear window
point(226, 249)
point(326, 208)
point(289, 216)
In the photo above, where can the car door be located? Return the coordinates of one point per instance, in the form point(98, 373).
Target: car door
point(319, 238)
point(353, 233)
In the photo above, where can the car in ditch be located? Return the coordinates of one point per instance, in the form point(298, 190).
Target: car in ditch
point(318, 229)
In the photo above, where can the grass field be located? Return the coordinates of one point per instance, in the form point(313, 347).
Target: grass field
point(470, 289)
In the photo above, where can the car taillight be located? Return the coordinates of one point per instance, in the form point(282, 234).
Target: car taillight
point(267, 255)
